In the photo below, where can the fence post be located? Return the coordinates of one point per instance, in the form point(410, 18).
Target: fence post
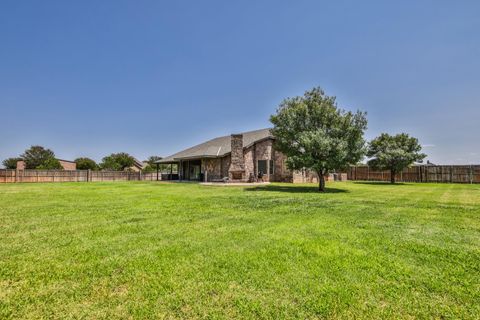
point(89, 172)
point(471, 174)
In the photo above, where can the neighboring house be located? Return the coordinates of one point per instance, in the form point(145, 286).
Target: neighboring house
point(67, 165)
point(240, 157)
point(137, 166)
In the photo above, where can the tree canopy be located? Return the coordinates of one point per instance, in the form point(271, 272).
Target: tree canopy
point(10, 163)
point(86, 164)
point(38, 157)
point(50, 164)
point(152, 166)
point(315, 134)
point(394, 153)
point(117, 161)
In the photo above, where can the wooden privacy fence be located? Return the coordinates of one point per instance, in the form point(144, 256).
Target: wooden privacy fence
point(422, 173)
point(11, 176)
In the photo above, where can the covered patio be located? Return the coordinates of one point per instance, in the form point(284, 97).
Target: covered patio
point(185, 169)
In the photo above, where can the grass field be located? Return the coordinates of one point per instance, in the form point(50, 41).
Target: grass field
point(158, 250)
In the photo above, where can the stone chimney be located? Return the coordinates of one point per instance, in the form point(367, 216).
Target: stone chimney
point(237, 162)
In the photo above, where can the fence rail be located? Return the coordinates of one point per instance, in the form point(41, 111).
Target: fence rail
point(425, 173)
point(421, 173)
point(12, 176)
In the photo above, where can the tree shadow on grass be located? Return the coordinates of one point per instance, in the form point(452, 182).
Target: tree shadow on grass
point(295, 189)
point(379, 183)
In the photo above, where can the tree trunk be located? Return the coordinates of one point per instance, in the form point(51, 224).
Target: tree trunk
point(321, 182)
point(392, 176)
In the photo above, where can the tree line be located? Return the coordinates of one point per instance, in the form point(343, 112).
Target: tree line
point(41, 158)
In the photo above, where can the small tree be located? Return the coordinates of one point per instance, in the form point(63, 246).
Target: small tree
point(11, 163)
point(152, 165)
point(117, 161)
point(394, 153)
point(315, 134)
point(86, 164)
point(38, 156)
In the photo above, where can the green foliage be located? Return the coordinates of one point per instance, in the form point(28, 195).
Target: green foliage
point(153, 159)
point(50, 164)
point(141, 250)
point(86, 164)
point(394, 153)
point(11, 163)
point(315, 134)
point(152, 166)
point(37, 157)
point(117, 161)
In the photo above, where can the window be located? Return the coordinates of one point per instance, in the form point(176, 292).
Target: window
point(265, 166)
point(262, 167)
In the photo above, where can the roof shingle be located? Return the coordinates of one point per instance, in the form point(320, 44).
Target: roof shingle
point(217, 147)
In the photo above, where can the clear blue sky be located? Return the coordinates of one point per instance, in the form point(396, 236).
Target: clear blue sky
point(87, 78)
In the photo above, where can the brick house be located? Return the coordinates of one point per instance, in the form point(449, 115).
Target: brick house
point(67, 165)
point(249, 156)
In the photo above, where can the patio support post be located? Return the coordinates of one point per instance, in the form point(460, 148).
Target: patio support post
point(157, 170)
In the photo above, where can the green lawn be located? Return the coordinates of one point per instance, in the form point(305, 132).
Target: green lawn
point(159, 250)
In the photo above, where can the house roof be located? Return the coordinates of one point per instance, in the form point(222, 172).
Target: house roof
point(137, 163)
point(217, 147)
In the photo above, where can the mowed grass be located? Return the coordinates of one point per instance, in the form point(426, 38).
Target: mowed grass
point(169, 250)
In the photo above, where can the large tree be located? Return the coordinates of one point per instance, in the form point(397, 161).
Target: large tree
point(86, 164)
point(315, 134)
point(394, 153)
point(11, 163)
point(117, 161)
point(38, 157)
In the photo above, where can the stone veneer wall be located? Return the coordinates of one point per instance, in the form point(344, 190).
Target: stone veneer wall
point(237, 160)
point(218, 168)
point(249, 162)
point(263, 150)
point(281, 173)
point(213, 168)
point(225, 161)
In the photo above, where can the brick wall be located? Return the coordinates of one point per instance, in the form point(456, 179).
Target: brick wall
point(68, 165)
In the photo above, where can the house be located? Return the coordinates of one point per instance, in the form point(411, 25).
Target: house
point(248, 156)
point(137, 165)
point(67, 165)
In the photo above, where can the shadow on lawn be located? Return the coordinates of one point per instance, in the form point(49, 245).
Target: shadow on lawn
point(294, 189)
point(379, 183)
